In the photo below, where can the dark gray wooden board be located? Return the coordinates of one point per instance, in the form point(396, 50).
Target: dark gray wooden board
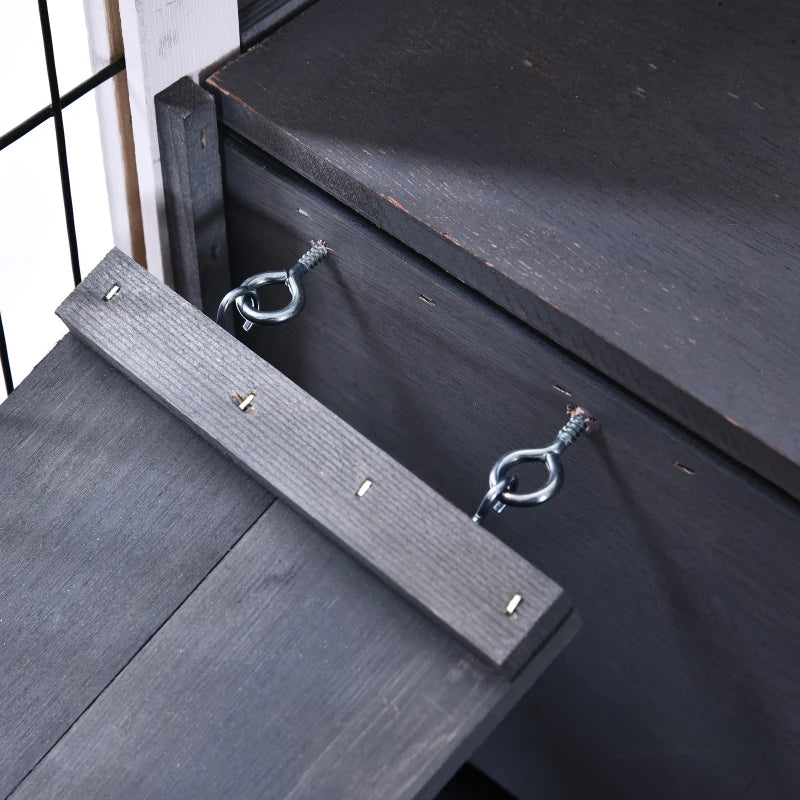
point(434, 554)
point(291, 672)
point(623, 176)
point(111, 512)
point(189, 152)
point(684, 680)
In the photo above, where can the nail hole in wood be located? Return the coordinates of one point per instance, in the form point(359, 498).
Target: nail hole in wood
point(683, 468)
point(245, 402)
point(561, 389)
point(111, 292)
point(513, 603)
point(364, 488)
point(426, 299)
point(203, 138)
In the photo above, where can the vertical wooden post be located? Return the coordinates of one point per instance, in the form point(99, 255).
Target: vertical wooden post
point(116, 137)
point(190, 168)
point(165, 40)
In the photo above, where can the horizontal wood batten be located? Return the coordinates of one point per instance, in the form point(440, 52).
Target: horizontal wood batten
point(401, 529)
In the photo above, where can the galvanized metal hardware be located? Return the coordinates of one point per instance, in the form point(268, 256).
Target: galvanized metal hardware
point(111, 293)
point(245, 297)
point(502, 485)
point(244, 402)
point(513, 604)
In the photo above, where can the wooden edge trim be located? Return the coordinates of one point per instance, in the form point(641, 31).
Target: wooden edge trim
point(402, 530)
point(191, 172)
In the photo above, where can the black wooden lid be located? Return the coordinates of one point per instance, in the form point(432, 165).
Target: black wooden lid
point(623, 176)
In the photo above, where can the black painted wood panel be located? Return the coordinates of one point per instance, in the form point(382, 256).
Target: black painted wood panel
point(683, 682)
point(291, 672)
point(621, 175)
point(111, 513)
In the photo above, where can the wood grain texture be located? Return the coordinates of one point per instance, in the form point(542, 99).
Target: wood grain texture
point(190, 166)
point(623, 177)
point(111, 512)
point(290, 673)
point(431, 552)
point(683, 682)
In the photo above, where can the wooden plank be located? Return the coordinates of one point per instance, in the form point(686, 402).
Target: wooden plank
point(190, 165)
point(591, 169)
point(111, 512)
point(165, 40)
point(683, 567)
point(257, 18)
point(403, 530)
point(290, 673)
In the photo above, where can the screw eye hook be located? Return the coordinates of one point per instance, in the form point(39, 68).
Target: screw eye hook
point(555, 475)
point(250, 311)
point(502, 485)
point(226, 306)
point(245, 297)
point(505, 484)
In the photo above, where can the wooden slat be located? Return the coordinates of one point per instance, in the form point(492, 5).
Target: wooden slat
point(290, 673)
point(623, 177)
point(431, 552)
point(111, 512)
point(190, 166)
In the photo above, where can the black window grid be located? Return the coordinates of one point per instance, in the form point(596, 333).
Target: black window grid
point(57, 103)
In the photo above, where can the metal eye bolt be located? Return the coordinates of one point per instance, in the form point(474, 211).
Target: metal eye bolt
point(245, 297)
point(502, 485)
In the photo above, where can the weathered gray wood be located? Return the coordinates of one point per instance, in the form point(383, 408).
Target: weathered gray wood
point(190, 165)
point(431, 552)
point(257, 18)
point(622, 177)
point(290, 673)
point(684, 681)
point(111, 512)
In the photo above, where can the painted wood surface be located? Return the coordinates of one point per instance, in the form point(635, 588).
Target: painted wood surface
point(290, 673)
point(190, 165)
point(111, 513)
point(683, 682)
point(165, 40)
point(622, 176)
point(400, 528)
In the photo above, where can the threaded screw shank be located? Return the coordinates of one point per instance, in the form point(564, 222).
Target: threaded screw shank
point(573, 429)
point(314, 255)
